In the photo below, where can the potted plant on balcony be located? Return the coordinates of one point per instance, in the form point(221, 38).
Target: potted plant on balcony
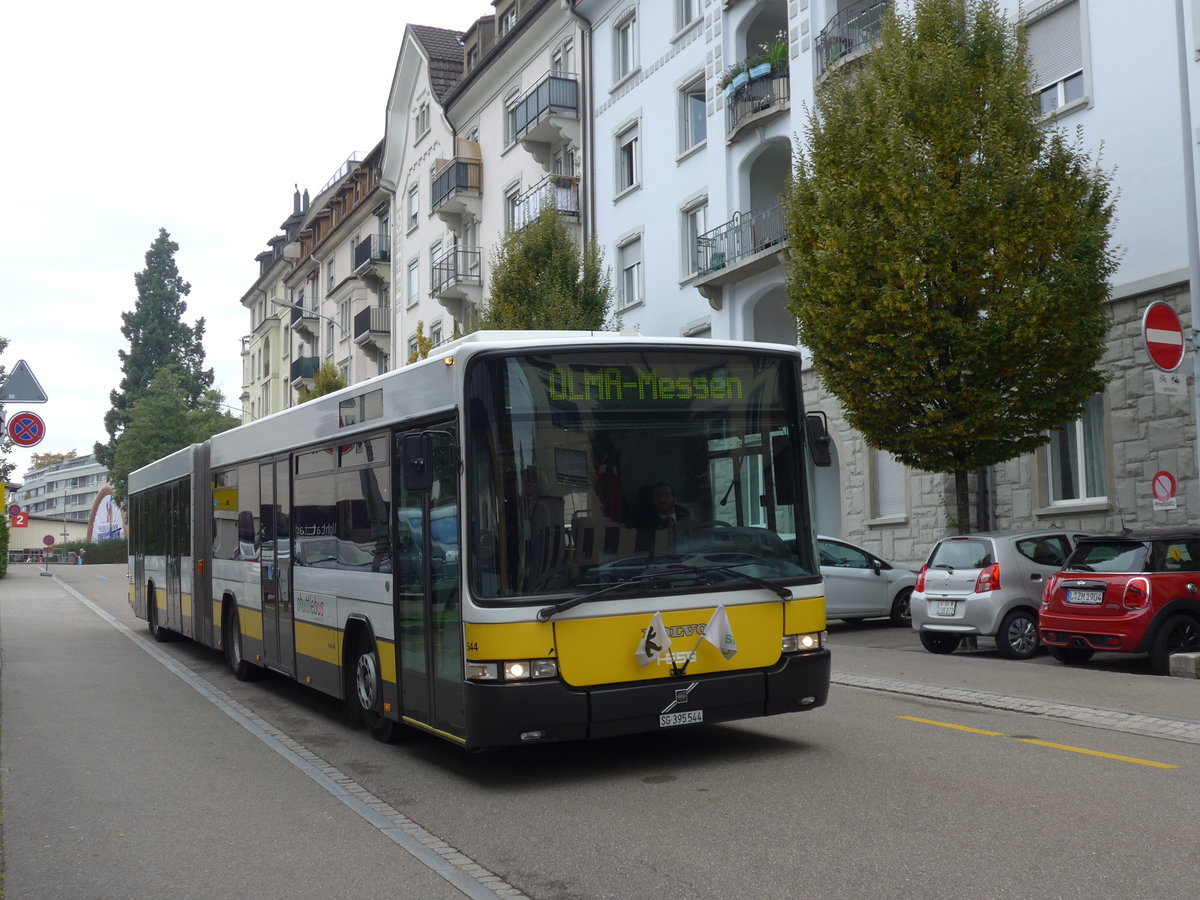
point(733, 78)
point(776, 54)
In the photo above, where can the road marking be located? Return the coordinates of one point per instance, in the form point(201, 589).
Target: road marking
point(436, 854)
point(1067, 747)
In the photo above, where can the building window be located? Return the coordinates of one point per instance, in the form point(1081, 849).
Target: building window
point(414, 206)
point(435, 333)
point(510, 115)
point(330, 277)
point(628, 174)
point(625, 46)
point(343, 317)
point(629, 261)
point(472, 58)
point(421, 121)
point(693, 116)
point(414, 281)
point(508, 20)
point(413, 348)
point(1077, 469)
point(562, 60)
point(887, 486)
point(1055, 43)
point(512, 207)
point(695, 218)
point(686, 12)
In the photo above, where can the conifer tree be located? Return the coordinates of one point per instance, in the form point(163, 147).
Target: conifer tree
point(949, 252)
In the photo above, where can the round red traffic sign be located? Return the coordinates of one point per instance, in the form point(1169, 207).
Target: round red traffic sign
point(48, 540)
point(26, 429)
point(1163, 486)
point(1163, 334)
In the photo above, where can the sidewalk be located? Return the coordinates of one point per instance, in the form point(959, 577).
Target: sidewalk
point(120, 780)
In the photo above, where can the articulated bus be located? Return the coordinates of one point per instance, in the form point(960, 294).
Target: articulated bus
point(470, 545)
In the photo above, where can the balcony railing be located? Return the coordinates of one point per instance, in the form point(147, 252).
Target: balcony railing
point(559, 192)
point(462, 175)
point(853, 29)
point(304, 367)
point(374, 319)
point(554, 95)
point(300, 313)
point(757, 95)
point(461, 265)
point(373, 248)
point(744, 235)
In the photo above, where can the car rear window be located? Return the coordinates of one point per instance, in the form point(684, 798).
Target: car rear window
point(962, 554)
point(1109, 556)
point(1176, 556)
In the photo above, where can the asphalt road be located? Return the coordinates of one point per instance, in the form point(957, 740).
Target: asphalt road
point(134, 769)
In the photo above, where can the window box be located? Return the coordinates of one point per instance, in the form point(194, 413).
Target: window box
point(762, 70)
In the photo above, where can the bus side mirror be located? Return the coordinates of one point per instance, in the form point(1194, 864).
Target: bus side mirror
point(418, 462)
point(816, 429)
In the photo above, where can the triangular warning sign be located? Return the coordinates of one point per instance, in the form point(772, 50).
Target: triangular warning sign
point(21, 386)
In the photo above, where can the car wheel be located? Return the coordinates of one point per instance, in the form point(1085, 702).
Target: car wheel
point(1072, 656)
point(939, 641)
point(902, 608)
point(1178, 634)
point(1018, 635)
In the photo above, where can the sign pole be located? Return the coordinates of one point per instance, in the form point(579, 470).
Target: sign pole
point(1189, 213)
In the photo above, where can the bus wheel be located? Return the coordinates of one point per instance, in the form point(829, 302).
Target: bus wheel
point(368, 688)
point(231, 639)
point(156, 631)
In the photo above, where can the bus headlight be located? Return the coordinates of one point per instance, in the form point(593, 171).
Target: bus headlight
point(798, 643)
point(511, 670)
point(481, 671)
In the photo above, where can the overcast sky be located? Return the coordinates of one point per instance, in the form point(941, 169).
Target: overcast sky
point(122, 118)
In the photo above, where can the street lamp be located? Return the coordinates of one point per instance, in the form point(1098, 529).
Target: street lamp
point(332, 321)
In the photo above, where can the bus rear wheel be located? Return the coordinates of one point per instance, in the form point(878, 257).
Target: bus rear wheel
point(231, 640)
point(368, 691)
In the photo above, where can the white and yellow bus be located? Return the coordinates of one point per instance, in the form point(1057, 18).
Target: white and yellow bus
point(468, 546)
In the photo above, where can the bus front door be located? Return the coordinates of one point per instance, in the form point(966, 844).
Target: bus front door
point(427, 569)
point(279, 647)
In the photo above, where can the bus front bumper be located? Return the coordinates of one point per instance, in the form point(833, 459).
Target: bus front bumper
point(500, 715)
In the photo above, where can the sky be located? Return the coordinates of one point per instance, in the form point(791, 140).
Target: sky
point(126, 117)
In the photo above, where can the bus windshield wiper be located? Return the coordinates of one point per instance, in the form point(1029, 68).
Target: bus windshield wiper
point(662, 580)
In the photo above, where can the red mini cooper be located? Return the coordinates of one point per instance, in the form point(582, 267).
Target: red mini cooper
point(1137, 592)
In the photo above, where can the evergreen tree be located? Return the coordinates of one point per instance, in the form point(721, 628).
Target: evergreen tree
point(950, 253)
point(158, 338)
point(541, 279)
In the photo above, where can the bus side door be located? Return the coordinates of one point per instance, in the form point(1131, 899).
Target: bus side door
point(279, 645)
point(427, 565)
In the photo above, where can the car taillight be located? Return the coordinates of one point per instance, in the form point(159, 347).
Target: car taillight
point(1048, 592)
point(988, 580)
point(1137, 594)
point(920, 586)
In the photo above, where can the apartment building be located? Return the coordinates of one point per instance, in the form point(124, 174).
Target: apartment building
point(693, 148)
point(62, 490)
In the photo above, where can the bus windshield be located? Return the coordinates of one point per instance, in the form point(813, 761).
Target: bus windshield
point(588, 468)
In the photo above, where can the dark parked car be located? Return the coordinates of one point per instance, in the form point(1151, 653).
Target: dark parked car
point(1137, 592)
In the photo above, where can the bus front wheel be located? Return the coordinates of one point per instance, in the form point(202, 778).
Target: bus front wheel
point(368, 690)
point(231, 639)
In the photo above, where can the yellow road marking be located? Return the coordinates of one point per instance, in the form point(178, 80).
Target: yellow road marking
point(1127, 759)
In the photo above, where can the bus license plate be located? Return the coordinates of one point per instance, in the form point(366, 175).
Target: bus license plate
point(691, 717)
point(946, 607)
point(1085, 598)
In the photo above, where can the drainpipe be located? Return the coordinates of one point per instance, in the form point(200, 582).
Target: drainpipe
point(1189, 195)
point(589, 151)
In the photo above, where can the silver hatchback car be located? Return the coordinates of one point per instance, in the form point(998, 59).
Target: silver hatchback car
point(987, 584)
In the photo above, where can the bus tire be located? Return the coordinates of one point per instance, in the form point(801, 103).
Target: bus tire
point(231, 641)
point(368, 690)
point(156, 631)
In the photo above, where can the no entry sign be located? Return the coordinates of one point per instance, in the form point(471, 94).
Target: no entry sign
point(26, 429)
point(1163, 335)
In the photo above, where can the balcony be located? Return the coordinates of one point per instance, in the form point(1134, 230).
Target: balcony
point(373, 328)
point(304, 369)
point(747, 244)
point(547, 115)
point(559, 192)
point(457, 189)
point(848, 35)
point(756, 101)
point(458, 276)
point(305, 320)
point(373, 259)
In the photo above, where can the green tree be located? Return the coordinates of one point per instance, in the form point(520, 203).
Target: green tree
point(6, 465)
point(541, 279)
point(950, 253)
point(326, 380)
point(163, 421)
point(158, 338)
point(424, 344)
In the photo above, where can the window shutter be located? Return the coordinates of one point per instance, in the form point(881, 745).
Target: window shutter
point(888, 486)
point(1055, 45)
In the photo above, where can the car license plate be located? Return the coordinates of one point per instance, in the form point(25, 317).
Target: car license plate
point(1085, 598)
point(946, 607)
point(691, 717)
